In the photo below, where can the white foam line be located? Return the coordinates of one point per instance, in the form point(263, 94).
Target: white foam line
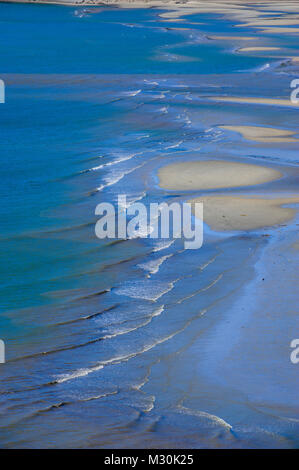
point(174, 145)
point(163, 245)
point(78, 373)
point(132, 93)
point(201, 290)
point(114, 162)
point(151, 405)
point(153, 266)
point(204, 266)
point(97, 397)
point(117, 179)
point(141, 384)
point(202, 414)
point(153, 299)
point(148, 82)
point(156, 313)
point(124, 358)
point(146, 136)
point(171, 286)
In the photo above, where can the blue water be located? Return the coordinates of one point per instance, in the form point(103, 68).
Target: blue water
point(92, 330)
point(107, 42)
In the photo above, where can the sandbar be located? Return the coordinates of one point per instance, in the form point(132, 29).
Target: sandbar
point(237, 38)
point(223, 213)
point(263, 134)
point(256, 49)
point(255, 100)
point(212, 174)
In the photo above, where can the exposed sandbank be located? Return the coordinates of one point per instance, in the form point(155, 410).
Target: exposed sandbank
point(232, 38)
point(243, 8)
point(249, 100)
point(279, 30)
point(263, 134)
point(256, 49)
point(272, 22)
point(243, 13)
point(213, 174)
point(224, 213)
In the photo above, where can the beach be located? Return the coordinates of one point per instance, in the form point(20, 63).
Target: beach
point(137, 342)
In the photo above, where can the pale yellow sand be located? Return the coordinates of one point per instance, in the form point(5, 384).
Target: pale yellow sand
point(245, 10)
point(256, 49)
point(240, 10)
point(237, 38)
point(223, 213)
point(213, 174)
point(267, 101)
point(263, 134)
point(272, 22)
point(289, 7)
point(279, 30)
point(176, 20)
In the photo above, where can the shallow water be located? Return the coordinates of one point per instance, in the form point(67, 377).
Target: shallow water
point(120, 344)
